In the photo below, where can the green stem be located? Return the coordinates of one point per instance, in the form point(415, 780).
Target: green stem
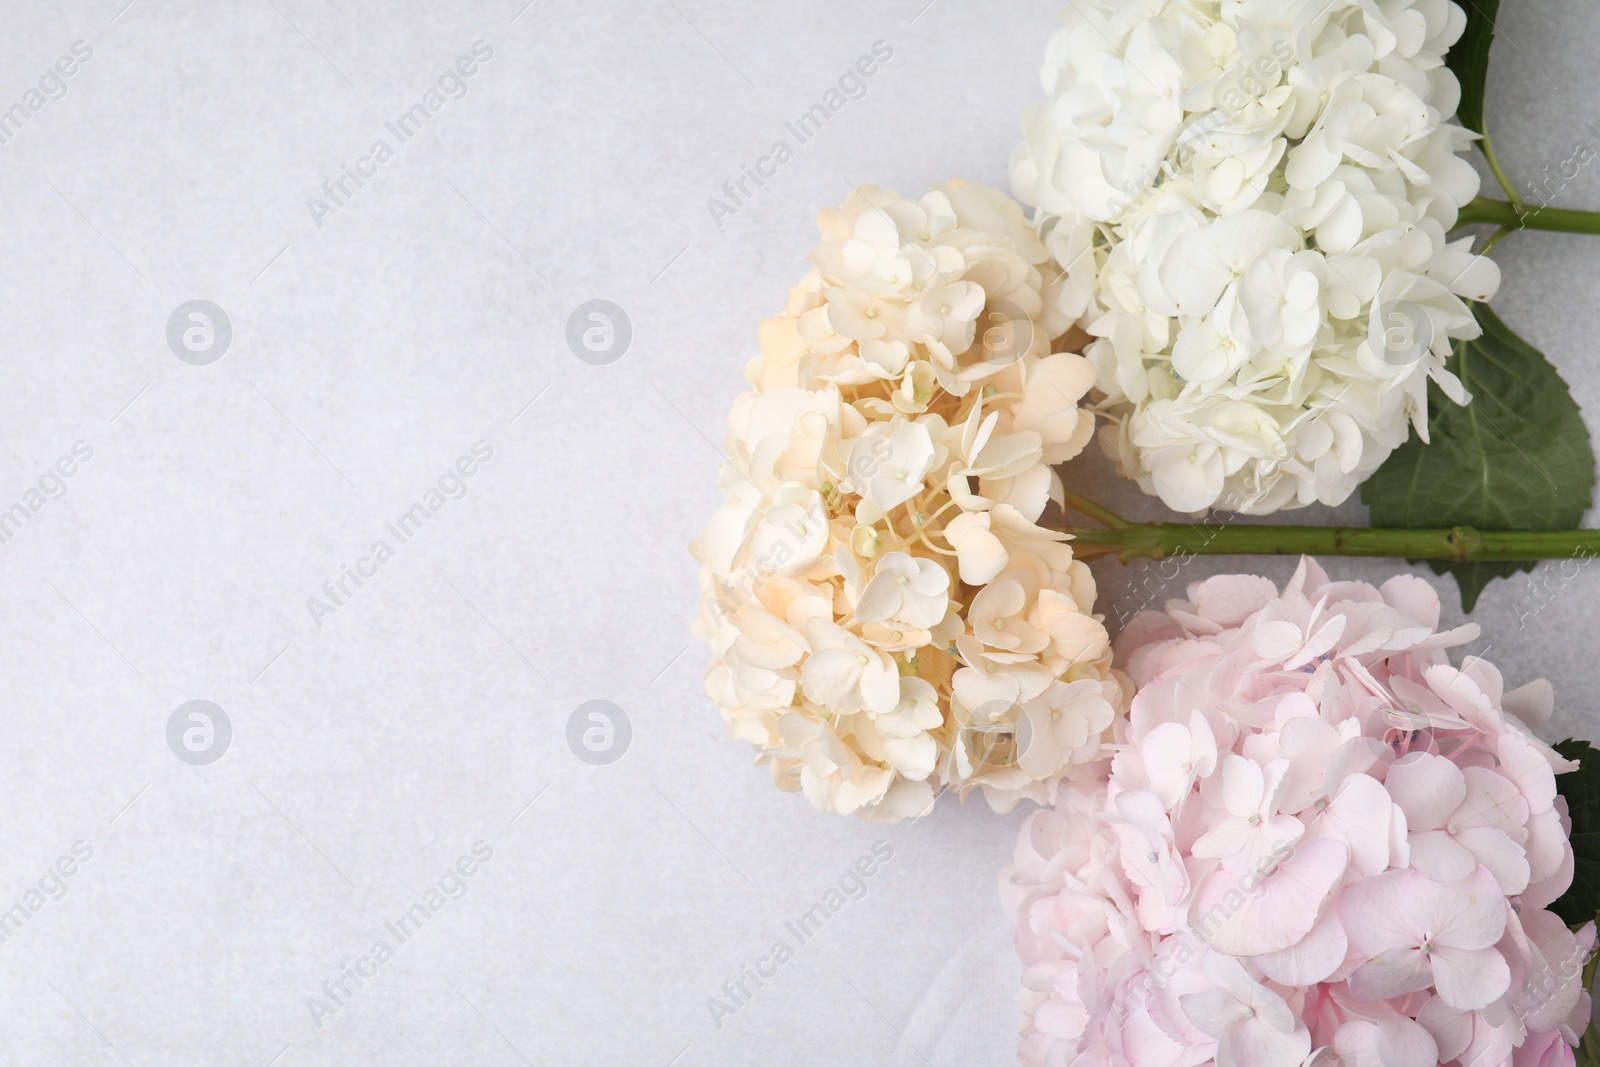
point(1098, 512)
point(1460, 544)
point(1486, 146)
point(1534, 217)
point(1488, 246)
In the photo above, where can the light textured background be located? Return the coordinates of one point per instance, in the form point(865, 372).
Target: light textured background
point(427, 314)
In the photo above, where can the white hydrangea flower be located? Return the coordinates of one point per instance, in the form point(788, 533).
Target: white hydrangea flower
point(887, 620)
point(1248, 202)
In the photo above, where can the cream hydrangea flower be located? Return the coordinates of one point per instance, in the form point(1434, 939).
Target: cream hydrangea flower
point(886, 618)
point(1249, 202)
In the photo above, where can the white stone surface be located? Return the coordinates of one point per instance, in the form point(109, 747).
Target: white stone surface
point(426, 314)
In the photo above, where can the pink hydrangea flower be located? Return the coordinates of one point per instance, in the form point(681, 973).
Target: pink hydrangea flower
point(1318, 844)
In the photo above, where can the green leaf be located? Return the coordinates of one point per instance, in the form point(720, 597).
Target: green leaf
point(1468, 58)
point(1516, 458)
point(1581, 788)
